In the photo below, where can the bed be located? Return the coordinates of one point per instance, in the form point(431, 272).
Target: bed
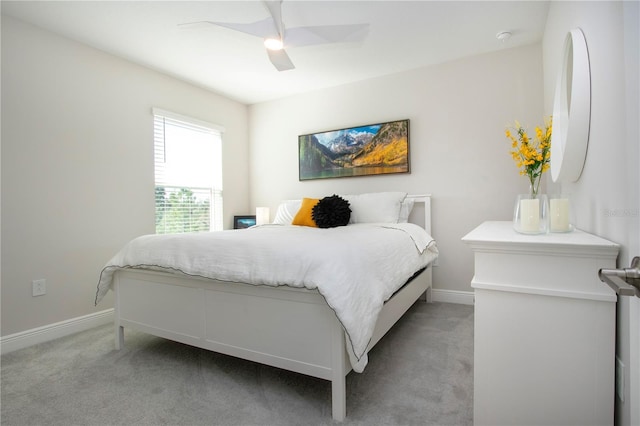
point(274, 309)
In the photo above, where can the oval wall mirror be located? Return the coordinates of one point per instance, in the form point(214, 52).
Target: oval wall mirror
point(571, 110)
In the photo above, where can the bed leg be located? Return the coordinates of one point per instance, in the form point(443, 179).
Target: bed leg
point(427, 295)
point(119, 337)
point(338, 374)
point(339, 398)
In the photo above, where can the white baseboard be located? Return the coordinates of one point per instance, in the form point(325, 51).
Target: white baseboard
point(23, 339)
point(453, 296)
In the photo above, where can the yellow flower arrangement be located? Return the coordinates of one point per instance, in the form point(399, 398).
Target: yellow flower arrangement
point(531, 156)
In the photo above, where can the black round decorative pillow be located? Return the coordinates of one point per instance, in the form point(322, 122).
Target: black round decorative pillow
point(331, 212)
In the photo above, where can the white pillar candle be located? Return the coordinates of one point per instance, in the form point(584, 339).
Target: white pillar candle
point(559, 210)
point(262, 215)
point(530, 215)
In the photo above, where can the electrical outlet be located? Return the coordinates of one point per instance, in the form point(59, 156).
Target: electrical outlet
point(39, 287)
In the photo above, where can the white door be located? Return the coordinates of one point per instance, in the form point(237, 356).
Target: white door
point(634, 378)
point(628, 362)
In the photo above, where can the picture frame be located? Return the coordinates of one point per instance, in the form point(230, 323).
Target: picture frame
point(244, 222)
point(372, 149)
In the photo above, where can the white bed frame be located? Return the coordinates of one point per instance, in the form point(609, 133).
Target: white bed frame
point(284, 327)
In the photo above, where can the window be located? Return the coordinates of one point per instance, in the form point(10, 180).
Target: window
point(188, 174)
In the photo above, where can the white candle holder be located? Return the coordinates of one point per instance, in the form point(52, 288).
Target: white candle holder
point(560, 214)
point(531, 214)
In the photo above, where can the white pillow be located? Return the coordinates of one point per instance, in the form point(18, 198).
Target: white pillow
point(287, 211)
point(405, 210)
point(375, 207)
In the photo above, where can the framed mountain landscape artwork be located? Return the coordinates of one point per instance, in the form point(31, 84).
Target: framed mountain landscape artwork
point(372, 149)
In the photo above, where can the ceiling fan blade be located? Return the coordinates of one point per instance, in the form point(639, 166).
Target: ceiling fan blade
point(264, 28)
point(280, 60)
point(275, 10)
point(306, 36)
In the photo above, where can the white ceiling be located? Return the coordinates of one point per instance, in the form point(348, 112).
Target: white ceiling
point(402, 35)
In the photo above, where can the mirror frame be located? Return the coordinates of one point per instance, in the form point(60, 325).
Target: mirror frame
point(571, 110)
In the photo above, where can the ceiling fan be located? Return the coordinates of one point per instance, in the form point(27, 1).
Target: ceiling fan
point(276, 37)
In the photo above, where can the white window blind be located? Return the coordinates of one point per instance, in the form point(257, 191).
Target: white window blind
point(188, 174)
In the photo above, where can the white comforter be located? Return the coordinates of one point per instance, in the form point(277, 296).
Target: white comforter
point(356, 268)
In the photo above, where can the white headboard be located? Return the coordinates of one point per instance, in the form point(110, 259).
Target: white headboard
point(425, 200)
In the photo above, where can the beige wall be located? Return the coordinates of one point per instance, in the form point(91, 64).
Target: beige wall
point(458, 112)
point(77, 166)
point(606, 195)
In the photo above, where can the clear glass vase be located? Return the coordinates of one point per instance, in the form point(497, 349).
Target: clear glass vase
point(531, 214)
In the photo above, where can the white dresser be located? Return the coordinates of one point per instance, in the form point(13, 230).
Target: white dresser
point(544, 342)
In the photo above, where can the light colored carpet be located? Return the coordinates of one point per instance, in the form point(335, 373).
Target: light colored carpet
point(420, 373)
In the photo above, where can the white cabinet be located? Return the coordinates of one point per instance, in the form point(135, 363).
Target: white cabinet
point(544, 341)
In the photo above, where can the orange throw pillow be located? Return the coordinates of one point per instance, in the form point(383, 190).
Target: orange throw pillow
point(303, 217)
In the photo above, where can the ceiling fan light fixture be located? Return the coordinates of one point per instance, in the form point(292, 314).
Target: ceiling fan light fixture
point(273, 43)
